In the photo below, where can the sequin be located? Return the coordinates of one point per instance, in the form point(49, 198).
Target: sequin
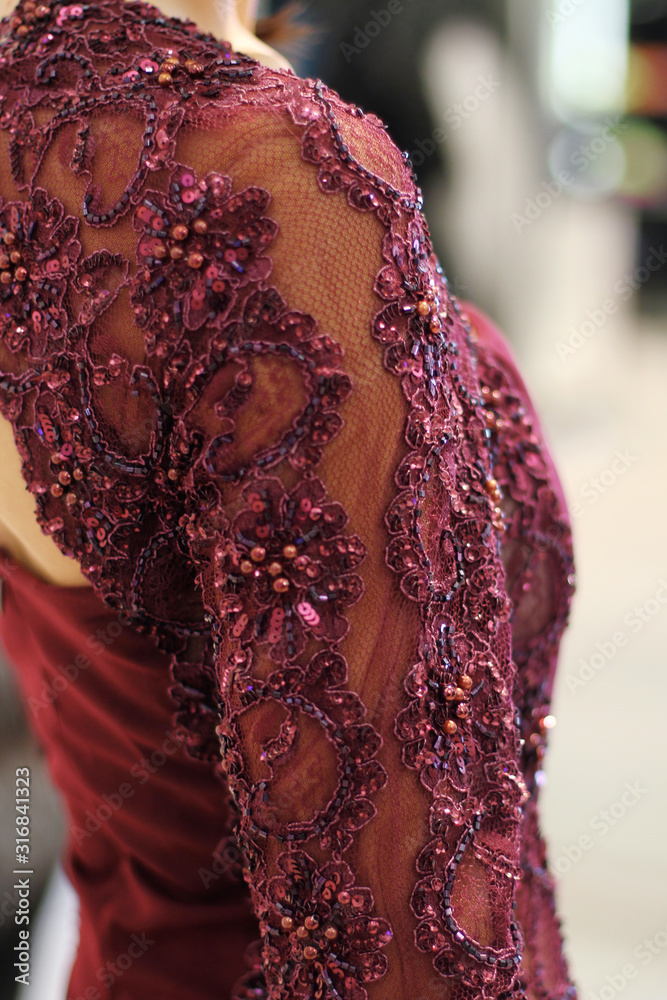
point(472, 512)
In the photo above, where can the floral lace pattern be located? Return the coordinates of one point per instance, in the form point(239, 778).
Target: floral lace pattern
point(40, 251)
point(230, 549)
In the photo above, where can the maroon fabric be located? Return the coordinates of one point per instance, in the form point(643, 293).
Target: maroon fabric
point(143, 818)
point(249, 406)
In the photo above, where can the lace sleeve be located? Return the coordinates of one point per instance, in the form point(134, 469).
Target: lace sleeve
point(345, 526)
point(540, 580)
point(252, 411)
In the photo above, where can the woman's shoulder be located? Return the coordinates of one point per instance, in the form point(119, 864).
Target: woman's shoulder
point(339, 137)
point(126, 60)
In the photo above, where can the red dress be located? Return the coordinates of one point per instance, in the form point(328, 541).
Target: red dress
point(143, 817)
point(330, 557)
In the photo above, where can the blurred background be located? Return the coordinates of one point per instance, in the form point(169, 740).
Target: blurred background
point(538, 130)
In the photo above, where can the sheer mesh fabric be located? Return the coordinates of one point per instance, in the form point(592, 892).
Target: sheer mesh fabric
point(252, 410)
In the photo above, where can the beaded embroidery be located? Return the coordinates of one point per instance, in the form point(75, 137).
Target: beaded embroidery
point(145, 509)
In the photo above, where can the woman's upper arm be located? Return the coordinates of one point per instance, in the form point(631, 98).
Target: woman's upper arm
point(347, 553)
point(284, 469)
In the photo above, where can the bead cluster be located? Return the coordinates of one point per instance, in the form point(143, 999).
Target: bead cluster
point(458, 698)
point(69, 473)
point(324, 919)
point(173, 63)
point(280, 572)
point(312, 950)
point(495, 497)
point(171, 243)
point(28, 16)
point(206, 242)
point(12, 266)
point(293, 565)
point(33, 279)
point(275, 569)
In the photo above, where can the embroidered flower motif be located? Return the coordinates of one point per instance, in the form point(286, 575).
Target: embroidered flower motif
point(291, 560)
point(132, 479)
point(38, 250)
point(199, 245)
point(321, 939)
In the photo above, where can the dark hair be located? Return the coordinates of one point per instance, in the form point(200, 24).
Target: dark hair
point(283, 29)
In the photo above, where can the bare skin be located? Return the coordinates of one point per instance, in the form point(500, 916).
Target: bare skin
point(20, 534)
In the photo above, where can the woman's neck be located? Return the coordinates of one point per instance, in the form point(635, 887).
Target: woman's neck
point(221, 18)
point(232, 21)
